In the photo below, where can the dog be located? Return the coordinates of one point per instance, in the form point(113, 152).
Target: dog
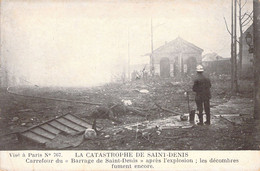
point(103, 112)
point(118, 109)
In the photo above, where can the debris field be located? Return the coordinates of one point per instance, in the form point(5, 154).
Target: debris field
point(148, 114)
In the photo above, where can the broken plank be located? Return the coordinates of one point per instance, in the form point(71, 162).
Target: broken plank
point(68, 126)
point(62, 127)
point(35, 137)
point(79, 119)
point(46, 122)
point(135, 111)
point(233, 123)
point(149, 109)
point(75, 122)
point(71, 124)
point(167, 110)
point(50, 128)
point(42, 132)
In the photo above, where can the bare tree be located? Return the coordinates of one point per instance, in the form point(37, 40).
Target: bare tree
point(244, 20)
point(233, 43)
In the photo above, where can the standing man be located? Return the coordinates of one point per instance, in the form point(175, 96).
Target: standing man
point(202, 88)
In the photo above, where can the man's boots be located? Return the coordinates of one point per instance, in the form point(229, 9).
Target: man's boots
point(208, 119)
point(192, 115)
point(200, 119)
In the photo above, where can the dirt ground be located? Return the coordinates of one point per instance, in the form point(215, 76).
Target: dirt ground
point(232, 128)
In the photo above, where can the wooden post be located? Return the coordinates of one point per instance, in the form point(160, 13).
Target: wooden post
point(128, 56)
point(151, 57)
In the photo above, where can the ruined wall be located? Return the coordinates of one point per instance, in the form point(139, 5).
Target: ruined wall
point(218, 67)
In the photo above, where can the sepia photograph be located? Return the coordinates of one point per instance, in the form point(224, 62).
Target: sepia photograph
point(130, 75)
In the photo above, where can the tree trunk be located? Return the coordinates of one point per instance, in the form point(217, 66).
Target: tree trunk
point(235, 49)
point(240, 69)
point(256, 27)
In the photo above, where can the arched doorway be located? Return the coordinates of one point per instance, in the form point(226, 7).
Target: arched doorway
point(191, 65)
point(165, 67)
point(176, 66)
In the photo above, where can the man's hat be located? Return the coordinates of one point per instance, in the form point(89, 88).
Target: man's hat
point(199, 68)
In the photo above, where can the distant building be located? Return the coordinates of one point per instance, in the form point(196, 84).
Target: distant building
point(213, 63)
point(176, 58)
point(211, 57)
point(247, 58)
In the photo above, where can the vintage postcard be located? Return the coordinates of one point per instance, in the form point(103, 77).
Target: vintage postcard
point(130, 85)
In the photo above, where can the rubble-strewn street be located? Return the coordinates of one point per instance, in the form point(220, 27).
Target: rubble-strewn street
point(131, 85)
point(148, 114)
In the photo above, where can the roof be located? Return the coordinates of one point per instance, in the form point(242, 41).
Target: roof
point(248, 29)
point(211, 57)
point(176, 45)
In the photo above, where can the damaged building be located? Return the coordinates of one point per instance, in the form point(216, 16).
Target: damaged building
point(214, 63)
point(176, 58)
point(247, 58)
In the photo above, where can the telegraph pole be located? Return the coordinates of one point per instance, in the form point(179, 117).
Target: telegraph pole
point(151, 58)
point(235, 48)
point(151, 35)
point(128, 55)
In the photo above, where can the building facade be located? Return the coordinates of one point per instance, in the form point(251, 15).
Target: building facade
point(213, 63)
point(247, 58)
point(176, 58)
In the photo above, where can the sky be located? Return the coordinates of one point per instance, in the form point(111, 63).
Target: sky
point(82, 43)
